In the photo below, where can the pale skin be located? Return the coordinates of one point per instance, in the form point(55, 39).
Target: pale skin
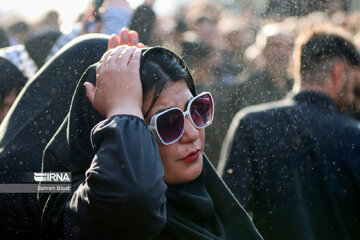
point(118, 91)
point(177, 171)
point(339, 85)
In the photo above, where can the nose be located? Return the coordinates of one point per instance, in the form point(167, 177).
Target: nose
point(191, 133)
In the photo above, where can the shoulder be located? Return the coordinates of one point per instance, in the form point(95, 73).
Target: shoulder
point(348, 124)
point(265, 110)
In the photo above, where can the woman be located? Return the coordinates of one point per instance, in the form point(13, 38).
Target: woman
point(136, 187)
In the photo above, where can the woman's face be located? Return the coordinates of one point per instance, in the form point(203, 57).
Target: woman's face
point(182, 160)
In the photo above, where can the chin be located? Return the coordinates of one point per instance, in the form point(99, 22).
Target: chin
point(185, 173)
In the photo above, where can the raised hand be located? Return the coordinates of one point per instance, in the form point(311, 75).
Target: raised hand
point(118, 87)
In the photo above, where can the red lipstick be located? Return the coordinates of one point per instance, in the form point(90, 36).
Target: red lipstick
point(192, 156)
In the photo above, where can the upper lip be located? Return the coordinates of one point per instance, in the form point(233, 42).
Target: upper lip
point(192, 153)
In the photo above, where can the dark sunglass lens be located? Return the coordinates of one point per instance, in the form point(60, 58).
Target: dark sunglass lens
point(170, 125)
point(201, 110)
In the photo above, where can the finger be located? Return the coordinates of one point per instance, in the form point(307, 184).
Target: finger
point(125, 57)
point(102, 61)
point(113, 41)
point(133, 38)
point(135, 59)
point(124, 36)
point(140, 45)
point(113, 58)
point(90, 92)
point(105, 55)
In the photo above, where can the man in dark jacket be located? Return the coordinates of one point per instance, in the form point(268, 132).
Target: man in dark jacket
point(295, 164)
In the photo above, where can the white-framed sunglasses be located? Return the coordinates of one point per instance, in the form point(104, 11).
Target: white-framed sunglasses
point(168, 126)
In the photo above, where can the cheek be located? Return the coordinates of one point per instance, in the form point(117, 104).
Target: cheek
point(202, 138)
point(166, 153)
point(178, 172)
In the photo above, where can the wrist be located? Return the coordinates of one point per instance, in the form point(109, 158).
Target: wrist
point(125, 111)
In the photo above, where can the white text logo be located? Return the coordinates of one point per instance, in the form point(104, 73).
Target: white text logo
point(52, 177)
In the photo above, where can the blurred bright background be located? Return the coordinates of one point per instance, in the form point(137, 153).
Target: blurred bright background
point(69, 10)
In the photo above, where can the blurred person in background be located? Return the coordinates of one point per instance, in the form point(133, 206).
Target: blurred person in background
point(277, 9)
point(18, 32)
point(20, 57)
point(271, 81)
point(40, 43)
point(51, 20)
point(237, 34)
point(102, 16)
point(200, 58)
point(31, 55)
point(354, 108)
point(11, 82)
point(143, 21)
point(202, 17)
point(169, 31)
point(4, 38)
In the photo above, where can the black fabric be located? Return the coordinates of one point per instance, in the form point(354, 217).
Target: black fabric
point(143, 21)
point(120, 192)
point(31, 122)
point(10, 78)
point(43, 103)
point(191, 213)
point(80, 214)
point(39, 44)
point(353, 112)
point(295, 164)
point(258, 87)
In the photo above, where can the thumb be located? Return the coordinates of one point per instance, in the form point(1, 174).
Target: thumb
point(90, 92)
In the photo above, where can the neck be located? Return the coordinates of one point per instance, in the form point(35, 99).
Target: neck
point(314, 88)
point(325, 91)
point(279, 77)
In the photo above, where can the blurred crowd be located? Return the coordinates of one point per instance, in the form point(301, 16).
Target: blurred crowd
point(242, 56)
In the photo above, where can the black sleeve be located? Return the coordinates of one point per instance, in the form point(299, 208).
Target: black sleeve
point(238, 171)
point(123, 195)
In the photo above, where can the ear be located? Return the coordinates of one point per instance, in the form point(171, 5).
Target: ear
point(337, 79)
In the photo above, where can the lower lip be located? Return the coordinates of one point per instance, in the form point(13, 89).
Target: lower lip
point(192, 157)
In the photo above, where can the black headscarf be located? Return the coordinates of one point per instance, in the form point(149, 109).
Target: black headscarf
point(32, 120)
point(201, 209)
point(10, 78)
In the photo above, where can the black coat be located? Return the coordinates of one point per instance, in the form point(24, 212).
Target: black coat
point(295, 164)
